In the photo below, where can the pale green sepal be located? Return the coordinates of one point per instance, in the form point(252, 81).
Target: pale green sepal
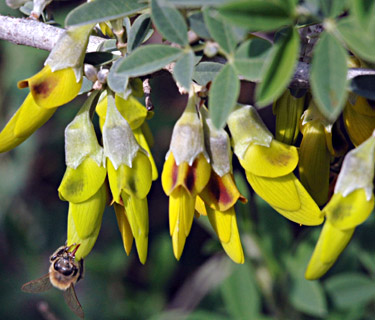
point(217, 145)
point(246, 128)
point(83, 182)
point(120, 145)
point(187, 140)
point(137, 213)
point(70, 48)
point(85, 244)
point(87, 215)
point(80, 138)
point(357, 171)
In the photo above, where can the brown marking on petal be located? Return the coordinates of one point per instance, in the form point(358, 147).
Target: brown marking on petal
point(191, 176)
point(282, 160)
point(218, 189)
point(44, 88)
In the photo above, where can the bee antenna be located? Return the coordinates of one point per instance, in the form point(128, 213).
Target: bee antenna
point(73, 253)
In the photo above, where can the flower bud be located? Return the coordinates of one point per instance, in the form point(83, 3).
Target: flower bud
point(288, 110)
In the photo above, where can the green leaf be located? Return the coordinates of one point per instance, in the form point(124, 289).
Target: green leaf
point(183, 70)
point(308, 297)
point(117, 82)
point(221, 32)
point(197, 3)
point(102, 10)
point(240, 294)
point(206, 72)
point(250, 58)
point(223, 95)
point(279, 67)
point(196, 23)
point(350, 289)
point(148, 59)
point(360, 42)
point(328, 76)
point(169, 22)
point(364, 12)
point(205, 315)
point(364, 86)
point(257, 15)
point(138, 31)
point(332, 8)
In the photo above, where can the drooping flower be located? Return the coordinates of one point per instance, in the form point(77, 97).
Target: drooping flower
point(219, 196)
point(135, 114)
point(269, 166)
point(350, 205)
point(83, 182)
point(130, 177)
point(56, 84)
point(185, 173)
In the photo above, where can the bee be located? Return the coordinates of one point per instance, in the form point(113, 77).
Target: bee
point(64, 272)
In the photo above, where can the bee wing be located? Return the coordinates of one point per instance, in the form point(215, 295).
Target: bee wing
point(71, 300)
point(38, 285)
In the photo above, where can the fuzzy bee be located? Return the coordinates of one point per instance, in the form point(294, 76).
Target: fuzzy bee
point(64, 272)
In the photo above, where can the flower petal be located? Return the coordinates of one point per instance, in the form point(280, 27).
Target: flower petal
point(358, 126)
point(181, 214)
point(27, 119)
point(314, 162)
point(136, 211)
point(276, 160)
point(139, 136)
point(87, 215)
point(347, 212)
point(288, 197)
point(331, 243)
point(85, 244)
point(124, 227)
point(131, 109)
point(200, 207)
point(82, 183)
point(193, 178)
point(225, 226)
point(135, 181)
point(52, 89)
point(220, 193)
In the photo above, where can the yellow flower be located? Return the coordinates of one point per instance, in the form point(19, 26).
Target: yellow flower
point(56, 84)
point(220, 194)
point(185, 173)
point(351, 204)
point(135, 114)
point(269, 166)
point(83, 182)
point(130, 177)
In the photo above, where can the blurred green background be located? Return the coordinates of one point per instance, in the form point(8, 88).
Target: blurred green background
point(204, 284)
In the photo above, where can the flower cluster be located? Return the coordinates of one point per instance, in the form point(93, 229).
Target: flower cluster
point(198, 174)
